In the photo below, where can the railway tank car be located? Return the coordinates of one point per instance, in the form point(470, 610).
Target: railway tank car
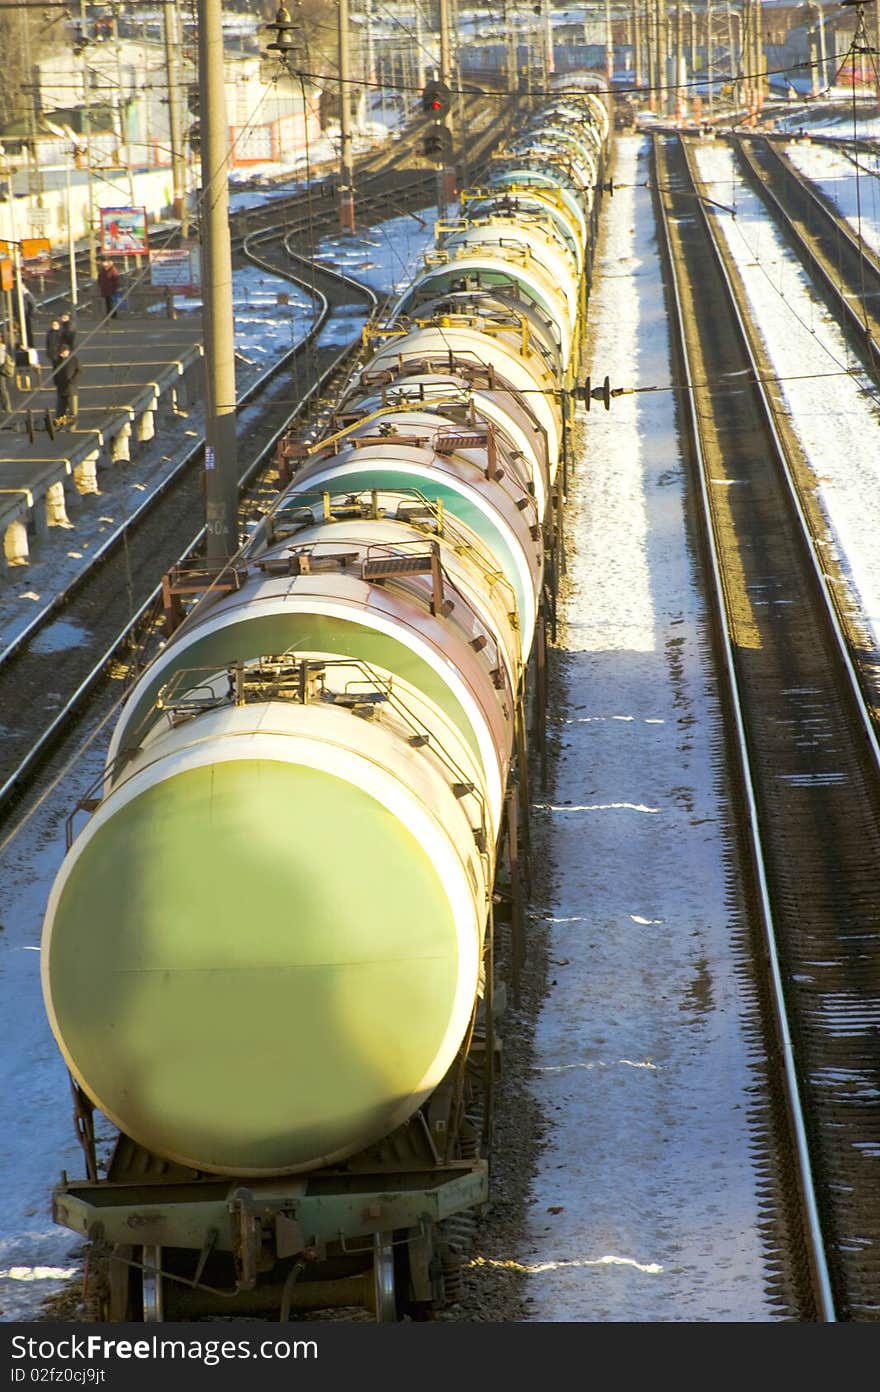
point(268, 955)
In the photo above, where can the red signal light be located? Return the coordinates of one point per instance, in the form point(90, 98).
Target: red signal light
point(435, 105)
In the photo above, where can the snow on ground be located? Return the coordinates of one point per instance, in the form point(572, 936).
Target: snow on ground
point(834, 404)
point(645, 1204)
point(853, 187)
point(641, 1062)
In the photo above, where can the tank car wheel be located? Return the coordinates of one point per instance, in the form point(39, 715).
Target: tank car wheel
point(151, 1284)
point(384, 1289)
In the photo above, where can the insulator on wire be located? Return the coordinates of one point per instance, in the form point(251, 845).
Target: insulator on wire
point(285, 40)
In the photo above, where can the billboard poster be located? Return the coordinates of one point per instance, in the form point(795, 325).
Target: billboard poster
point(124, 232)
point(176, 269)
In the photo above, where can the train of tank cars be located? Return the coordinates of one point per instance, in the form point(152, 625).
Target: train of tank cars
point(268, 954)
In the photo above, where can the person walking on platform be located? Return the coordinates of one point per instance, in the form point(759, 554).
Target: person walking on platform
point(66, 377)
point(30, 305)
point(108, 284)
point(54, 340)
point(68, 330)
point(7, 370)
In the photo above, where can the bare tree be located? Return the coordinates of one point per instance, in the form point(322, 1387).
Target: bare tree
point(27, 34)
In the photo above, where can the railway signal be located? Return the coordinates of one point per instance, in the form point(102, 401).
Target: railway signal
point(437, 144)
point(435, 99)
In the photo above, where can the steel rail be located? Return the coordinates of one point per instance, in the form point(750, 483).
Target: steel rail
point(792, 1087)
point(50, 734)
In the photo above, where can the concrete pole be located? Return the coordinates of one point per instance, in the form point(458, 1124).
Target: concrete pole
point(35, 177)
point(664, 95)
point(609, 46)
point(444, 41)
point(420, 48)
point(823, 53)
point(445, 175)
point(651, 54)
point(346, 166)
point(16, 268)
point(735, 66)
point(464, 164)
point(370, 74)
point(512, 49)
point(221, 446)
point(637, 45)
point(547, 23)
point(87, 137)
point(71, 240)
point(124, 152)
point(171, 26)
point(679, 61)
point(709, 55)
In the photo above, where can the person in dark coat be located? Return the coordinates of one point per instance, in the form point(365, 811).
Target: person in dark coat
point(108, 284)
point(7, 355)
point(66, 375)
point(68, 330)
point(30, 305)
point(54, 340)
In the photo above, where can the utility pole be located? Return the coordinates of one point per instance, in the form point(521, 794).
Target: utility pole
point(178, 165)
point(444, 41)
point(346, 166)
point(735, 54)
point(547, 23)
point(637, 45)
point(512, 60)
point(651, 53)
point(664, 95)
point(370, 74)
point(420, 49)
point(710, 57)
point(445, 174)
point(71, 244)
point(459, 99)
point(68, 135)
point(823, 54)
point(679, 61)
point(124, 151)
point(609, 46)
point(87, 141)
point(221, 446)
point(15, 245)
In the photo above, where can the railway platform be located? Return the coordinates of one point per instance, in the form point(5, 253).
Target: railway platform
point(139, 371)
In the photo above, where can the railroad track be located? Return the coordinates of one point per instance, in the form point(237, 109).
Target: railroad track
point(391, 163)
point(803, 760)
point(840, 264)
point(114, 604)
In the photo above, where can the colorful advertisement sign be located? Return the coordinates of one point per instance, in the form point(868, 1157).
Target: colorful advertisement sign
point(124, 232)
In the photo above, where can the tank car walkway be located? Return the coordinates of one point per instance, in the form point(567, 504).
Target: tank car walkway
point(133, 368)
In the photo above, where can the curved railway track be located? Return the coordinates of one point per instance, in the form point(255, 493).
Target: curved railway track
point(804, 758)
point(113, 604)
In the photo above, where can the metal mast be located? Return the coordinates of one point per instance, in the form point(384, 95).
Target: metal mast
point(178, 165)
point(221, 446)
point(346, 168)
